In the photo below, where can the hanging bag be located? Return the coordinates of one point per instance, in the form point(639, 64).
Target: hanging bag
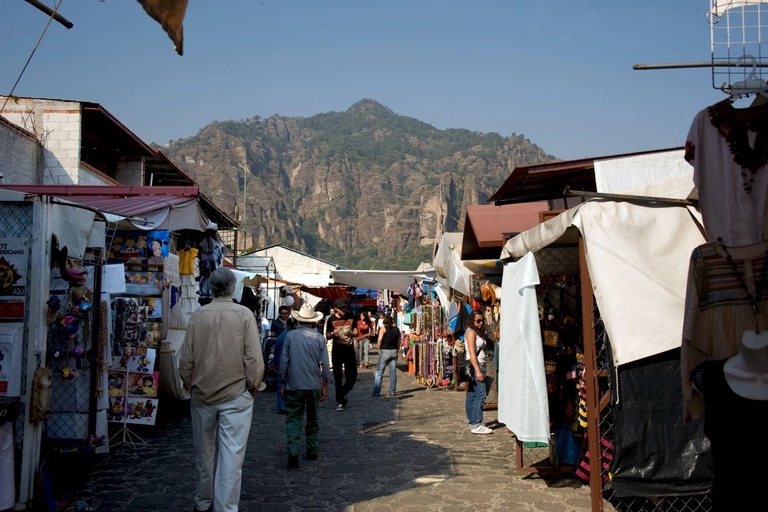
point(466, 370)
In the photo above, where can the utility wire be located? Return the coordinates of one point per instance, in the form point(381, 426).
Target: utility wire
point(31, 55)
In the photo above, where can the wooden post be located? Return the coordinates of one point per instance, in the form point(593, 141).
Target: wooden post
point(590, 377)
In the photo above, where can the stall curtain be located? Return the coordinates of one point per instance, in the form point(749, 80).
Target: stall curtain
point(655, 453)
point(523, 404)
point(328, 292)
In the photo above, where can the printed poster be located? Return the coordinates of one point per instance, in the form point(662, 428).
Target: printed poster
point(144, 384)
point(139, 245)
point(140, 410)
point(116, 382)
point(11, 337)
point(116, 411)
point(143, 361)
point(144, 283)
point(14, 257)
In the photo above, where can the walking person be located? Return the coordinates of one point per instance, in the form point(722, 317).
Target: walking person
point(304, 372)
point(373, 322)
point(388, 343)
point(221, 335)
point(340, 327)
point(290, 324)
point(363, 340)
point(476, 350)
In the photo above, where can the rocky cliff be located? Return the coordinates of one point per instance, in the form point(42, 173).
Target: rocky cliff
point(364, 188)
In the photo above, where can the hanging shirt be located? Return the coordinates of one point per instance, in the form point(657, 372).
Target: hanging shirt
point(728, 149)
point(187, 261)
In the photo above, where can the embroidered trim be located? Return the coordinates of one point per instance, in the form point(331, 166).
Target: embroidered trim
point(735, 131)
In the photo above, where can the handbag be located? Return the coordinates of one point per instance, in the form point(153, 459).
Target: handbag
point(466, 370)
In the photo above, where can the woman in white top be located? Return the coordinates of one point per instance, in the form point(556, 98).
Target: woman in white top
point(476, 348)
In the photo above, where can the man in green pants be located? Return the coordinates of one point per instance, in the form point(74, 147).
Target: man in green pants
point(304, 372)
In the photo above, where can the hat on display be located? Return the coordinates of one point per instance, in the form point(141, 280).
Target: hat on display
point(306, 314)
point(340, 303)
point(488, 293)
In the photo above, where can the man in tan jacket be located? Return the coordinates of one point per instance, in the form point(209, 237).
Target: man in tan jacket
point(221, 363)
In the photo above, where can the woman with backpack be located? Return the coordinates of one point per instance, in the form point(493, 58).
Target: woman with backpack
point(388, 344)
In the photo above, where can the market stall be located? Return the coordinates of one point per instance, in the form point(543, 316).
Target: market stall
point(594, 294)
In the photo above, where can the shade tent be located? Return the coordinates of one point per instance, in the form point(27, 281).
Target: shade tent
point(637, 255)
point(297, 267)
point(394, 280)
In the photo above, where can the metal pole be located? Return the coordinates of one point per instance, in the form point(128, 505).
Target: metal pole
point(625, 197)
point(50, 12)
point(705, 64)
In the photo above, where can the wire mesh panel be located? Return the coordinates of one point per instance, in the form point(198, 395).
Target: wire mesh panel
point(739, 30)
point(16, 219)
point(692, 503)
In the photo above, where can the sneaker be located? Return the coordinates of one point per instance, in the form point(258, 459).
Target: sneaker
point(339, 408)
point(481, 429)
point(390, 394)
point(293, 461)
point(311, 456)
point(376, 394)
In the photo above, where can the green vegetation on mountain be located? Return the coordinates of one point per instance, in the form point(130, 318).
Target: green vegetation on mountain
point(364, 188)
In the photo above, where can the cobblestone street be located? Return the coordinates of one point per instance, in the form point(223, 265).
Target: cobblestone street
point(410, 452)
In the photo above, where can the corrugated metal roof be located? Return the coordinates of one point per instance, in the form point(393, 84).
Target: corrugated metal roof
point(125, 201)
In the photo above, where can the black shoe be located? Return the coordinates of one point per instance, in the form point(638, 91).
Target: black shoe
point(293, 461)
point(282, 411)
point(209, 509)
point(311, 456)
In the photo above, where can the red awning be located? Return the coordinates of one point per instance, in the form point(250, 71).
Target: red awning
point(488, 226)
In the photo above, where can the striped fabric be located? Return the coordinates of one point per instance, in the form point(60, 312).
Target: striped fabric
point(716, 281)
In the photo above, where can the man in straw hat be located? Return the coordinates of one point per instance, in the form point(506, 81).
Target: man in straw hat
point(222, 365)
point(304, 372)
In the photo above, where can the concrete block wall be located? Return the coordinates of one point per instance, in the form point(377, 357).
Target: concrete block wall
point(130, 173)
point(57, 125)
point(20, 158)
point(86, 177)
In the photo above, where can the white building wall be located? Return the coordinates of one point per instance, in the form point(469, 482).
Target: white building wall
point(19, 158)
point(57, 125)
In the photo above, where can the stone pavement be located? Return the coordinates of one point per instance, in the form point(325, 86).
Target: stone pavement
point(412, 452)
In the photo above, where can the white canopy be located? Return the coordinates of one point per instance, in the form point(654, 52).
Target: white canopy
point(638, 256)
point(395, 280)
point(296, 267)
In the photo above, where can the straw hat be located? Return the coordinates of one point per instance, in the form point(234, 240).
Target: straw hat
point(306, 314)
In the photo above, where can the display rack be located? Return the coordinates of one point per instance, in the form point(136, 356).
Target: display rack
point(739, 45)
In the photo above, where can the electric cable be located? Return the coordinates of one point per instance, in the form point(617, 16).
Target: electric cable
point(10, 94)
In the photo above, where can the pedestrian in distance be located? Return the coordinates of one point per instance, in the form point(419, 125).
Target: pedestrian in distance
point(388, 343)
point(304, 372)
point(340, 327)
point(363, 340)
point(279, 323)
point(476, 348)
point(290, 324)
point(221, 335)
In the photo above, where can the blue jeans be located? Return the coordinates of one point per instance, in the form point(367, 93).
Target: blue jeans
point(386, 357)
point(475, 400)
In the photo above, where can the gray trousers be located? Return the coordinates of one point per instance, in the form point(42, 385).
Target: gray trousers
point(231, 422)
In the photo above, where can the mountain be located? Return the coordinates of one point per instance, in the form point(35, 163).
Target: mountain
point(364, 188)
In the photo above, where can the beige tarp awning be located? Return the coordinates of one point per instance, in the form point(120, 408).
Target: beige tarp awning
point(638, 256)
point(394, 280)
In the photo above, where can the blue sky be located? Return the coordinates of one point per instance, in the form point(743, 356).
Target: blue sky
point(559, 72)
